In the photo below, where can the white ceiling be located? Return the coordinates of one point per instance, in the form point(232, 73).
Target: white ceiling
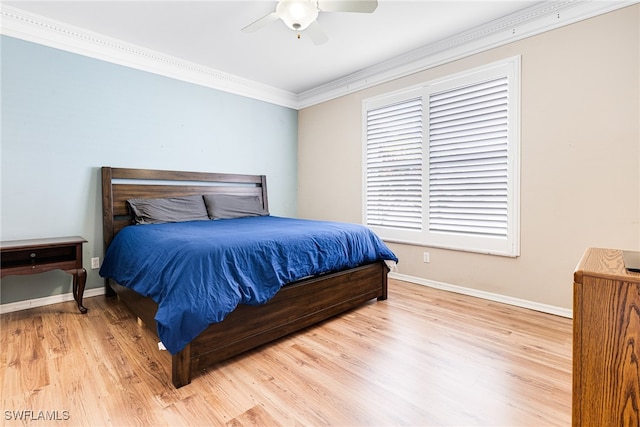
point(208, 33)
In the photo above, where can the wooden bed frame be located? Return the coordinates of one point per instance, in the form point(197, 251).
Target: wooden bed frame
point(294, 307)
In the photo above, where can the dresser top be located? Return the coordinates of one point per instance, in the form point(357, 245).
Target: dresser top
point(604, 263)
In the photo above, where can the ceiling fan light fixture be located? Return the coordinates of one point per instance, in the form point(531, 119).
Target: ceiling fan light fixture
point(297, 14)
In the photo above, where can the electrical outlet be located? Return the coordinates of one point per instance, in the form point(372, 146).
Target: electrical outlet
point(426, 257)
point(95, 263)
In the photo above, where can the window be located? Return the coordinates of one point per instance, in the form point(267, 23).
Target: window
point(442, 162)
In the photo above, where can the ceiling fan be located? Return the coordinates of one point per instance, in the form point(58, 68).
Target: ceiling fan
point(301, 15)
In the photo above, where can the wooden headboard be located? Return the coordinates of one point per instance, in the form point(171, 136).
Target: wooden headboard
point(120, 184)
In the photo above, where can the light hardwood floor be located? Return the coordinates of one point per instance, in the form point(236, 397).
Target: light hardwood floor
point(422, 357)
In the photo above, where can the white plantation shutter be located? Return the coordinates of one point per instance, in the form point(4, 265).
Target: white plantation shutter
point(442, 162)
point(394, 165)
point(468, 151)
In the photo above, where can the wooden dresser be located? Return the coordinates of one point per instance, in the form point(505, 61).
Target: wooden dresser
point(606, 341)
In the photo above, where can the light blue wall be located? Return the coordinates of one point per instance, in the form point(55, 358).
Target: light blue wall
point(65, 115)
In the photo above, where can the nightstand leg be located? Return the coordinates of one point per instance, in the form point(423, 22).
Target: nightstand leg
point(79, 280)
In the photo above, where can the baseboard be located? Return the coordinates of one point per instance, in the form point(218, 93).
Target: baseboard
point(41, 302)
point(544, 308)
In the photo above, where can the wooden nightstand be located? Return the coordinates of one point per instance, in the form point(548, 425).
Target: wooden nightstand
point(39, 255)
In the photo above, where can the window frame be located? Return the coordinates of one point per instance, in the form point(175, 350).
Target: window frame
point(508, 245)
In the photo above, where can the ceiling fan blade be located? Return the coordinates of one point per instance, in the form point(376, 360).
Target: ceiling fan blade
point(262, 22)
point(360, 6)
point(316, 34)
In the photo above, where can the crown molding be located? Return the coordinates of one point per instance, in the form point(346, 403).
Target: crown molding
point(537, 19)
point(534, 20)
point(41, 30)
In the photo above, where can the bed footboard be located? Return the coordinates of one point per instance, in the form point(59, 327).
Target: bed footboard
point(293, 308)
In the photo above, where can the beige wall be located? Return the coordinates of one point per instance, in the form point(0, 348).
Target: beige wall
point(580, 157)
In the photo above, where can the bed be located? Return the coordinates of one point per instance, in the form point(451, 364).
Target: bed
point(296, 305)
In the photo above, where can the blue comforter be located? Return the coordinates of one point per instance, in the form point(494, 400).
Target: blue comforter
point(199, 271)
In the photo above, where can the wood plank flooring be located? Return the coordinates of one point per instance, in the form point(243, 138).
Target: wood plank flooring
point(422, 357)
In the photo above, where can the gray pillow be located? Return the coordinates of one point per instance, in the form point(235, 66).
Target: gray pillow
point(226, 206)
point(170, 209)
